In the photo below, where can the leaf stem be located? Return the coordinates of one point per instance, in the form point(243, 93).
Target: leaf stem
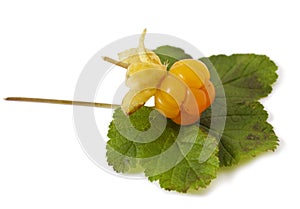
point(62, 102)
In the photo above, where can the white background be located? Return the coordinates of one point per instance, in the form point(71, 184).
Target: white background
point(44, 47)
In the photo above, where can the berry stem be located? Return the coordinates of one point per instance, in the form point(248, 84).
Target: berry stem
point(62, 102)
point(116, 62)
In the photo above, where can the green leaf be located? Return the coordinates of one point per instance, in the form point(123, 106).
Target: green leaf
point(245, 79)
point(170, 54)
point(127, 138)
point(172, 157)
point(190, 173)
point(246, 134)
point(171, 154)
